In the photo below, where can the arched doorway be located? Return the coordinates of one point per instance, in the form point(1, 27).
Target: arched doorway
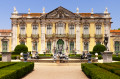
point(60, 45)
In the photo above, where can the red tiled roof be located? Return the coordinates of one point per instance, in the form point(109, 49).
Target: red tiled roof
point(8, 31)
point(114, 30)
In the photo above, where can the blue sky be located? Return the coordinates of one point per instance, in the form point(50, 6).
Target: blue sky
point(6, 8)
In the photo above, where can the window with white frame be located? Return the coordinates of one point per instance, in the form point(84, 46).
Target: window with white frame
point(60, 28)
point(35, 29)
point(4, 46)
point(98, 29)
point(71, 29)
point(49, 29)
point(86, 46)
point(86, 29)
point(22, 29)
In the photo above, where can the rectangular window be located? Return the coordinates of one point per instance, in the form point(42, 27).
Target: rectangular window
point(35, 29)
point(49, 29)
point(22, 30)
point(34, 46)
point(4, 46)
point(98, 29)
point(86, 46)
point(86, 30)
point(71, 29)
point(117, 47)
point(71, 47)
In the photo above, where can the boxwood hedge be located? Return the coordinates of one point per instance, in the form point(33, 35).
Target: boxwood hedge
point(95, 72)
point(16, 71)
point(112, 67)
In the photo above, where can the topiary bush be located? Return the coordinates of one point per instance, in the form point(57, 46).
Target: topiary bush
point(99, 48)
point(21, 48)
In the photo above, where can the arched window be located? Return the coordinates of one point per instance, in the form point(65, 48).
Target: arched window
point(49, 29)
point(35, 29)
point(22, 29)
point(71, 29)
point(60, 28)
point(98, 29)
point(98, 42)
point(86, 29)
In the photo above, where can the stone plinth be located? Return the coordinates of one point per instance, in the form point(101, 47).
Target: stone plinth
point(6, 56)
point(33, 54)
point(107, 57)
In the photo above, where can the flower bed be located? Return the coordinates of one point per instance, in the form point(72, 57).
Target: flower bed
point(95, 72)
point(16, 71)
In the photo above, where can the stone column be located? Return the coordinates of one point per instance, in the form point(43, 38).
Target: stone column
point(42, 38)
point(107, 31)
point(78, 38)
point(14, 35)
point(65, 46)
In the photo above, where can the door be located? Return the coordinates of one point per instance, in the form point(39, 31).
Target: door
point(60, 45)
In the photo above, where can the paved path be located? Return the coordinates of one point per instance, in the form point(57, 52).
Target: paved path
point(56, 71)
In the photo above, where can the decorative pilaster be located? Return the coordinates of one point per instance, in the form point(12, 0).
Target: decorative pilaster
point(78, 38)
point(42, 38)
point(14, 35)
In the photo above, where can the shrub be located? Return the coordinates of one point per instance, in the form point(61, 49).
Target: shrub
point(21, 48)
point(99, 48)
point(16, 71)
point(95, 72)
point(112, 67)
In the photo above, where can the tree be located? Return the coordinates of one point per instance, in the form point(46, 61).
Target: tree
point(118, 28)
point(21, 48)
point(99, 48)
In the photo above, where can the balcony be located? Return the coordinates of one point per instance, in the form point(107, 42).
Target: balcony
point(71, 36)
point(60, 35)
point(98, 36)
point(48, 36)
point(22, 36)
point(86, 36)
point(34, 36)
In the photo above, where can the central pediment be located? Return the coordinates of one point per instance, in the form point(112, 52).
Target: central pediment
point(60, 13)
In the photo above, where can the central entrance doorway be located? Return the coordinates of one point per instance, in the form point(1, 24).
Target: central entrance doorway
point(60, 45)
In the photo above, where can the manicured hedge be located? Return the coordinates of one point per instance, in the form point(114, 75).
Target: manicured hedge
point(115, 58)
point(6, 64)
point(99, 56)
point(112, 67)
point(95, 72)
point(16, 71)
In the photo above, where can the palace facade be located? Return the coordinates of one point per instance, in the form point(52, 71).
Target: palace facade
point(61, 29)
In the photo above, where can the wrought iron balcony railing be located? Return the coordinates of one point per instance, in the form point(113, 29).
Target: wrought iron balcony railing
point(22, 36)
point(34, 36)
point(98, 36)
point(86, 36)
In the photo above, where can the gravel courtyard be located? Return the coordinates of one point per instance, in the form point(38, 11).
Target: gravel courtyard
point(56, 71)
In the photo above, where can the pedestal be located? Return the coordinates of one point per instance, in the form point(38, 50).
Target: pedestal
point(107, 57)
point(6, 56)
